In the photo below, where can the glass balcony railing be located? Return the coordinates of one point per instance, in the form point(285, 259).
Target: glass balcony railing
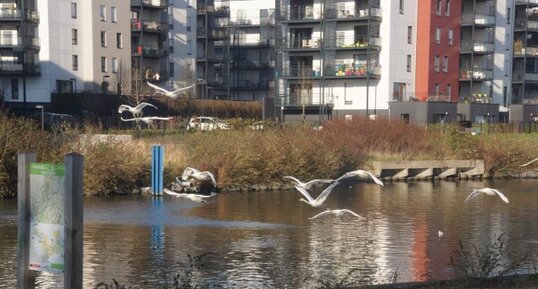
point(352, 13)
point(149, 51)
point(15, 14)
point(27, 42)
point(528, 51)
point(150, 3)
point(306, 97)
point(304, 43)
point(478, 19)
point(10, 67)
point(525, 2)
point(356, 42)
point(149, 26)
point(478, 74)
point(477, 46)
point(354, 70)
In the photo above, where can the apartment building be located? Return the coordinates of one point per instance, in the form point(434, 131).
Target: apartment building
point(346, 56)
point(182, 43)
point(19, 49)
point(525, 52)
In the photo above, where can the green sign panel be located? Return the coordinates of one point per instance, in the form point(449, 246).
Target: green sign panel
point(47, 217)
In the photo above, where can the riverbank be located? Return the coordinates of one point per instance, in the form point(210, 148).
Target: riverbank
point(512, 282)
point(247, 160)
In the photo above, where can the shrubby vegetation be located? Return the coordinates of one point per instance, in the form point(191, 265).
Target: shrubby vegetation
point(244, 157)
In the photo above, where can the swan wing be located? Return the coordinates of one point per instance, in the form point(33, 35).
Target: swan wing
point(376, 180)
point(321, 214)
point(295, 180)
point(172, 193)
point(315, 181)
point(207, 196)
point(144, 104)
point(501, 195)
point(182, 89)
point(158, 87)
point(124, 107)
point(304, 193)
point(188, 172)
point(159, 118)
point(129, 119)
point(211, 176)
point(323, 196)
point(472, 195)
point(526, 164)
point(352, 213)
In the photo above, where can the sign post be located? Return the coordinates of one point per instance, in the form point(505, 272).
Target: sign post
point(50, 219)
point(157, 170)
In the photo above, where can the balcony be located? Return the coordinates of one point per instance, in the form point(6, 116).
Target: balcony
point(157, 4)
point(211, 9)
point(305, 98)
point(10, 68)
point(252, 22)
point(520, 76)
point(16, 15)
point(151, 51)
point(249, 85)
point(476, 74)
point(301, 71)
point(477, 19)
point(212, 33)
point(477, 47)
point(303, 14)
point(20, 42)
point(525, 2)
point(304, 43)
point(211, 57)
point(252, 65)
point(356, 42)
point(149, 26)
point(522, 24)
point(354, 70)
point(528, 52)
point(354, 14)
point(253, 43)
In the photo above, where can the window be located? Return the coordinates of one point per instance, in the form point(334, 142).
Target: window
point(437, 35)
point(508, 14)
point(171, 46)
point(450, 36)
point(408, 62)
point(114, 65)
point(103, 38)
point(14, 89)
point(436, 63)
point(103, 64)
point(75, 62)
point(74, 36)
point(445, 63)
point(437, 89)
point(439, 7)
point(398, 91)
point(447, 8)
point(171, 69)
point(401, 6)
point(113, 14)
point(189, 47)
point(189, 21)
point(449, 90)
point(410, 34)
point(119, 40)
point(73, 10)
point(102, 12)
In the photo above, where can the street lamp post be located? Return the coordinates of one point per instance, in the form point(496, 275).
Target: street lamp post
point(39, 106)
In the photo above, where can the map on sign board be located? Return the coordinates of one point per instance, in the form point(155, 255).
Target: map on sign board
point(47, 217)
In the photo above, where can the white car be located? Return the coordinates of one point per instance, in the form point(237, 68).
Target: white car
point(207, 123)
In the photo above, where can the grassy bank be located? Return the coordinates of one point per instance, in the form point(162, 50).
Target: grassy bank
point(243, 157)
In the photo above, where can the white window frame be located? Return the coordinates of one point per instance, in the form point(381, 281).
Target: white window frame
point(102, 12)
point(113, 14)
point(104, 66)
point(114, 65)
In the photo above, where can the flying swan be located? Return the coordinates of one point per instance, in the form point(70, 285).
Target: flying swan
point(172, 94)
point(338, 213)
point(362, 175)
point(137, 110)
point(318, 202)
point(487, 191)
point(308, 185)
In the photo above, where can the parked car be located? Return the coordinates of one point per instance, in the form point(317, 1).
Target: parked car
point(207, 123)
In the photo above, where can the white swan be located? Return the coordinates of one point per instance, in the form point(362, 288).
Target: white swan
point(318, 202)
point(361, 174)
point(172, 94)
point(137, 110)
point(338, 213)
point(196, 174)
point(487, 191)
point(308, 184)
point(193, 197)
point(524, 165)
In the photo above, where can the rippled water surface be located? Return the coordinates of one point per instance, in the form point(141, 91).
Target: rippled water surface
point(265, 240)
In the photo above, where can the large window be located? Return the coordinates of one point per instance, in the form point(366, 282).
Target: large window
point(74, 36)
point(439, 7)
point(447, 8)
point(14, 89)
point(408, 63)
point(119, 40)
point(445, 63)
point(102, 12)
point(75, 62)
point(450, 36)
point(103, 38)
point(437, 35)
point(113, 14)
point(436, 63)
point(103, 64)
point(114, 65)
point(171, 69)
point(401, 6)
point(73, 10)
point(398, 91)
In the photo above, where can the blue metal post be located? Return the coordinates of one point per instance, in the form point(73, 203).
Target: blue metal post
point(157, 169)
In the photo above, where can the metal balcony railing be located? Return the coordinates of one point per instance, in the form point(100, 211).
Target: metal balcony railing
point(27, 42)
point(259, 41)
point(353, 13)
point(477, 46)
point(15, 14)
point(149, 50)
point(306, 98)
point(528, 51)
point(303, 13)
point(476, 74)
point(478, 19)
point(150, 3)
point(356, 42)
point(304, 43)
point(354, 70)
point(525, 2)
point(149, 26)
point(11, 67)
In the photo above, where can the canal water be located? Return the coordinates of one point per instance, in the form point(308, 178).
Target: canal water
point(265, 239)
